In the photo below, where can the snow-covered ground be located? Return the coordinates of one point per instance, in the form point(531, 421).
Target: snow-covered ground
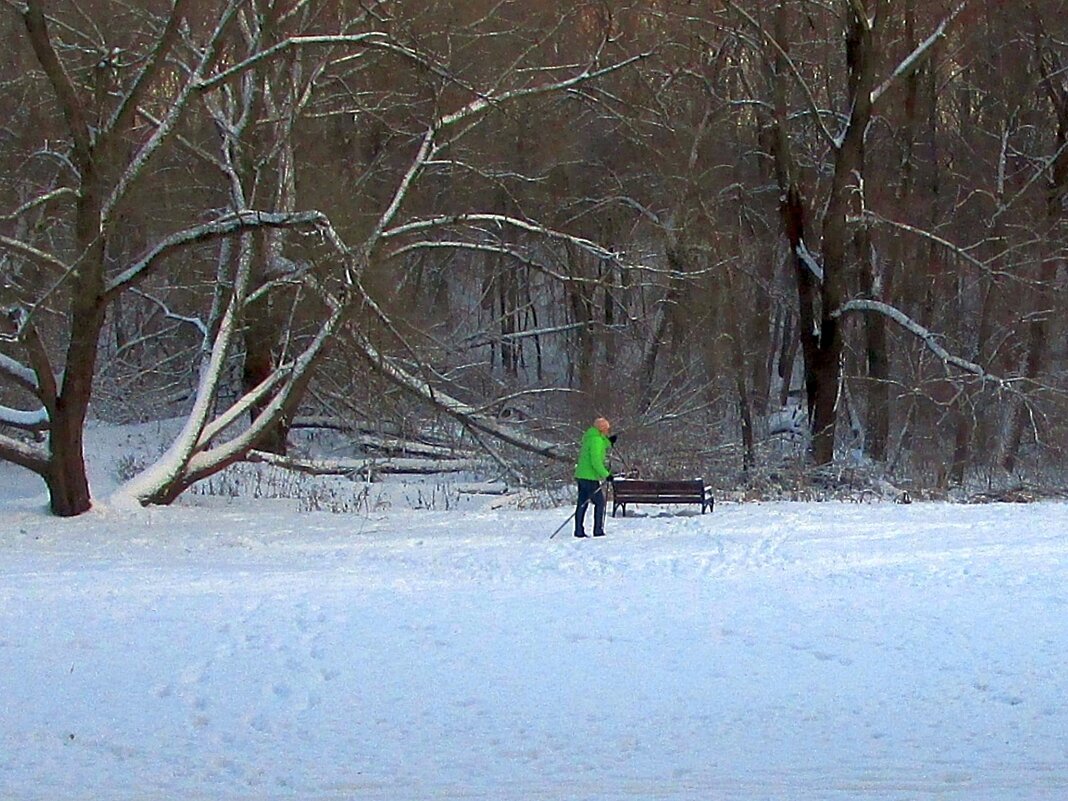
point(244, 650)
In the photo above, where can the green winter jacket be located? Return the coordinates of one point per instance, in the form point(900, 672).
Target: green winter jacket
point(591, 459)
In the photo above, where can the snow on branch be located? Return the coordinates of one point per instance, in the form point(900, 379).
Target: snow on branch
point(176, 105)
point(455, 408)
point(913, 61)
point(24, 454)
point(368, 39)
point(31, 420)
point(870, 216)
point(149, 70)
point(395, 446)
point(479, 247)
point(809, 260)
point(29, 205)
point(196, 322)
point(73, 111)
point(486, 101)
point(33, 254)
point(429, 148)
point(482, 339)
point(929, 339)
point(224, 226)
point(242, 406)
point(18, 372)
point(361, 467)
point(424, 154)
point(502, 220)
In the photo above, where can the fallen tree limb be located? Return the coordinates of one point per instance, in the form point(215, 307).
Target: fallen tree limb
point(417, 386)
point(362, 467)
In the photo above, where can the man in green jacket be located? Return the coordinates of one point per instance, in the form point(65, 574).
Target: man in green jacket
point(591, 472)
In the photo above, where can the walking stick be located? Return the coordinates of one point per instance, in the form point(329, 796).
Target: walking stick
point(600, 488)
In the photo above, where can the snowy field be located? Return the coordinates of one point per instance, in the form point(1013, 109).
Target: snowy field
point(244, 650)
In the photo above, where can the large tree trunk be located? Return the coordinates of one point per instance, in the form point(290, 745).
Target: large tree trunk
point(67, 480)
point(262, 332)
point(104, 172)
point(848, 166)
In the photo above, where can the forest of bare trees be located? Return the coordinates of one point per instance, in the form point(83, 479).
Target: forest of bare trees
point(822, 235)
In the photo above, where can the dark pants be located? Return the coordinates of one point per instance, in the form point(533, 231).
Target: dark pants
point(589, 490)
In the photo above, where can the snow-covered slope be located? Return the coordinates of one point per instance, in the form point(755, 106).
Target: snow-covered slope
point(820, 651)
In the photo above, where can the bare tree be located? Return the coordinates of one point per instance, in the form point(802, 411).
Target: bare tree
point(391, 233)
point(106, 159)
point(824, 273)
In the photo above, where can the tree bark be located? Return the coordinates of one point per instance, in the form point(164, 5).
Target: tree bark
point(848, 166)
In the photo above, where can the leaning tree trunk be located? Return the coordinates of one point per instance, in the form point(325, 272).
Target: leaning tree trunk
point(260, 335)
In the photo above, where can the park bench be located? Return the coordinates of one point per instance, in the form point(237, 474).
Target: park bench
point(635, 490)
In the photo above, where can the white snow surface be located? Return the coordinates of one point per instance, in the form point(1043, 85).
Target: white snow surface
point(243, 650)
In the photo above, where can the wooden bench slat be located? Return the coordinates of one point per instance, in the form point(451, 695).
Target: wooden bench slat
point(640, 484)
point(631, 490)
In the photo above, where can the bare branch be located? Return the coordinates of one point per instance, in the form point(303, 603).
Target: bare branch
point(913, 61)
point(356, 467)
point(223, 227)
point(482, 103)
point(149, 71)
point(929, 339)
point(18, 372)
point(196, 322)
point(73, 111)
point(817, 113)
point(502, 219)
point(32, 457)
point(63, 191)
point(870, 216)
point(34, 254)
point(27, 420)
point(1043, 169)
point(174, 113)
point(461, 411)
point(369, 39)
